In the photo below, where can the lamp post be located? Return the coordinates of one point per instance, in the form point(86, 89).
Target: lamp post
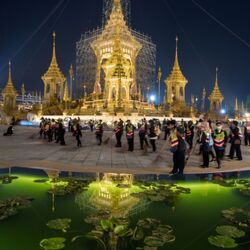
point(159, 86)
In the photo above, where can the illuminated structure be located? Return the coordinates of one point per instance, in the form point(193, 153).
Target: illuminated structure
point(107, 9)
point(176, 83)
point(216, 98)
point(9, 94)
point(86, 61)
point(53, 79)
point(116, 51)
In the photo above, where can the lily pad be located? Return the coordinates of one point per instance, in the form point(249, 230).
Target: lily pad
point(10, 207)
point(222, 241)
point(154, 241)
point(59, 224)
point(53, 243)
point(138, 234)
point(107, 225)
point(230, 231)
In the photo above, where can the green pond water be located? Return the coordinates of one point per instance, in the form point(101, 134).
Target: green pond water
point(193, 217)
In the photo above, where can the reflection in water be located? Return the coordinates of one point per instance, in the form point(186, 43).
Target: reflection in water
point(112, 193)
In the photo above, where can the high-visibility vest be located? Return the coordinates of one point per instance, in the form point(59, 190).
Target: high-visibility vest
point(130, 132)
point(174, 139)
point(219, 139)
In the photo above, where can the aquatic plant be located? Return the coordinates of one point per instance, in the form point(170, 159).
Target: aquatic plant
point(115, 233)
point(161, 192)
point(59, 224)
point(10, 207)
point(7, 179)
point(227, 234)
point(53, 243)
point(68, 186)
point(237, 216)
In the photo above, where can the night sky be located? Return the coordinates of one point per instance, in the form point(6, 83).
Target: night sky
point(26, 27)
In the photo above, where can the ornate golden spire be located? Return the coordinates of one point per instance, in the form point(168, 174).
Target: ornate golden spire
point(216, 93)
point(176, 75)
point(9, 88)
point(54, 71)
point(236, 106)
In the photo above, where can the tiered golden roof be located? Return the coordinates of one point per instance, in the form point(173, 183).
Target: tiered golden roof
point(9, 88)
point(118, 59)
point(216, 93)
point(176, 75)
point(106, 39)
point(54, 71)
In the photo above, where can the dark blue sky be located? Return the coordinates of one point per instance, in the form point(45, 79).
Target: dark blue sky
point(203, 45)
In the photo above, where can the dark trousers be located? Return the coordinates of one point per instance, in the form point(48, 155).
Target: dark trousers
point(79, 143)
point(235, 148)
point(219, 155)
point(143, 139)
point(99, 138)
point(130, 144)
point(118, 139)
point(247, 140)
point(190, 141)
point(166, 134)
point(179, 162)
point(205, 155)
point(61, 139)
point(152, 142)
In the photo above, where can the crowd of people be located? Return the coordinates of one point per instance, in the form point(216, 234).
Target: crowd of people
point(182, 137)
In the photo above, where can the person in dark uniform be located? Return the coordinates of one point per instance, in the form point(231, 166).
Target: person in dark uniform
point(235, 140)
point(118, 133)
point(189, 131)
point(152, 134)
point(9, 131)
point(177, 147)
point(206, 141)
point(220, 141)
point(247, 133)
point(143, 130)
point(61, 133)
point(130, 133)
point(78, 134)
point(99, 132)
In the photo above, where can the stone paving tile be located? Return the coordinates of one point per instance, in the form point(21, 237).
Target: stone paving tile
point(27, 149)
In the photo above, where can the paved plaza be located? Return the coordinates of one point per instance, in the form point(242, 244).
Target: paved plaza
point(25, 149)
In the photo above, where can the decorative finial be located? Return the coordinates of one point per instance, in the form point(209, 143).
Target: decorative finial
point(54, 45)
point(216, 79)
point(176, 53)
point(10, 78)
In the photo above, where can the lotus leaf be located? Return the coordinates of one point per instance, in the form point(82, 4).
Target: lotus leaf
point(120, 229)
point(222, 241)
point(96, 233)
point(10, 207)
point(59, 224)
point(149, 248)
point(237, 216)
point(230, 231)
point(148, 223)
point(53, 243)
point(138, 234)
point(7, 179)
point(245, 191)
point(107, 225)
point(154, 241)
